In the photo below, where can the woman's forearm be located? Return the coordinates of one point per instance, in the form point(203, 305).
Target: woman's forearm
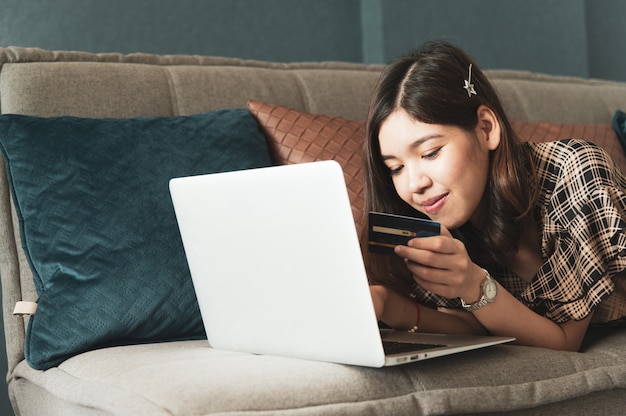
point(509, 317)
point(401, 313)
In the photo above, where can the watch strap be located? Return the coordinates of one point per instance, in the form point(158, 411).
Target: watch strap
point(483, 301)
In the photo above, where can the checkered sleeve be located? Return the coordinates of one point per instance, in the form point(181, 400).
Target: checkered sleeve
point(583, 238)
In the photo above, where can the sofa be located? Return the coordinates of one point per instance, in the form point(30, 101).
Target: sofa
point(106, 321)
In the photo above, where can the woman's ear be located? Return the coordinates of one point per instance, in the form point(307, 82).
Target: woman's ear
point(488, 127)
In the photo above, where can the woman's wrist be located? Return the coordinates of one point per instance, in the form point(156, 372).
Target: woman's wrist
point(474, 291)
point(417, 319)
point(409, 317)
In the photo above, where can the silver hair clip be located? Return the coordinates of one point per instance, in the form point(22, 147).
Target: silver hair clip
point(468, 83)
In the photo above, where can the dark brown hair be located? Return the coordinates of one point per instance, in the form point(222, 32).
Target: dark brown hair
point(428, 85)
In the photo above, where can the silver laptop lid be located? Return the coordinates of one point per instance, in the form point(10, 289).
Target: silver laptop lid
point(276, 263)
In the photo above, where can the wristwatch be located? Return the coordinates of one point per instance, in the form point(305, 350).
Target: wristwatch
point(489, 290)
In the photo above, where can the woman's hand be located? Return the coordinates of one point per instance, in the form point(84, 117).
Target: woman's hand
point(440, 264)
point(395, 310)
point(379, 296)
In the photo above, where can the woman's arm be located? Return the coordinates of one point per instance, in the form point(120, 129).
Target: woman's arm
point(441, 265)
point(401, 312)
point(508, 316)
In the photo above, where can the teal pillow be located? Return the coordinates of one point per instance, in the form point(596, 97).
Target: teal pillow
point(98, 225)
point(619, 125)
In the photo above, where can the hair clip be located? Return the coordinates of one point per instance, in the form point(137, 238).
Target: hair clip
point(468, 83)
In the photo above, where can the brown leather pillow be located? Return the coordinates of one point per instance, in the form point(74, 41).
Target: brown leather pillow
point(296, 137)
point(601, 134)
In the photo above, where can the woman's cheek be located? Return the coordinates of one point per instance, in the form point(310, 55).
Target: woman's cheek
point(401, 188)
point(406, 195)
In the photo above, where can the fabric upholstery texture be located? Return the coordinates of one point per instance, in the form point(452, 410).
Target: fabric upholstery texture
point(245, 384)
point(117, 85)
point(297, 137)
point(98, 226)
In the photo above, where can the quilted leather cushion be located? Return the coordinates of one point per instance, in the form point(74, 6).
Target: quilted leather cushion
point(297, 137)
point(98, 226)
point(601, 134)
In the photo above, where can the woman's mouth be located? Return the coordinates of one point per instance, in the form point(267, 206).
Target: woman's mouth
point(433, 205)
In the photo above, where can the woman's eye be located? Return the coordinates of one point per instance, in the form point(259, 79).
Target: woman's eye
point(395, 170)
point(432, 155)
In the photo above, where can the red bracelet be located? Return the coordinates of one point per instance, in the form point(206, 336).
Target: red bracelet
point(417, 321)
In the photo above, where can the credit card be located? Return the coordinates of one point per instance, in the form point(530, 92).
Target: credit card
point(385, 231)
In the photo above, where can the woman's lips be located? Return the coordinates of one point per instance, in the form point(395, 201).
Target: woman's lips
point(433, 205)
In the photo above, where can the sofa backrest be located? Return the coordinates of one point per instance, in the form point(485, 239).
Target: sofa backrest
point(34, 81)
point(45, 83)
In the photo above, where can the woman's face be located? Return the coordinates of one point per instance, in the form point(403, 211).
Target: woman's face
point(439, 170)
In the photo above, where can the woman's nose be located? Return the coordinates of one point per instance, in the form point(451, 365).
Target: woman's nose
point(419, 181)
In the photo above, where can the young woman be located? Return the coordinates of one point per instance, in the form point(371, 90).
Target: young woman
point(532, 240)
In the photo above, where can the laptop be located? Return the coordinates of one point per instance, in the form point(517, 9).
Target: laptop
point(277, 268)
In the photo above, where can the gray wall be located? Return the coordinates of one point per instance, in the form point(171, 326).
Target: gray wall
point(539, 35)
point(280, 30)
point(566, 37)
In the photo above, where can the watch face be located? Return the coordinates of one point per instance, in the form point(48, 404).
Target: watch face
point(490, 289)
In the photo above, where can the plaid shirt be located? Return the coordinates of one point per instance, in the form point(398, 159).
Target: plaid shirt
point(581, 212)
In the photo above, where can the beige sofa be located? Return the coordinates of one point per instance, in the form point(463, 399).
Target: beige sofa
point(185, 377)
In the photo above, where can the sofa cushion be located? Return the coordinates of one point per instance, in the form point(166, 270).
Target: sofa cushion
point(601, 134)
point(98, 226)
point(193, 379)
point(297, 137)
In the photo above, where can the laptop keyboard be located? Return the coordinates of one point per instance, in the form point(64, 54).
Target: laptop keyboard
point(394, 347)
